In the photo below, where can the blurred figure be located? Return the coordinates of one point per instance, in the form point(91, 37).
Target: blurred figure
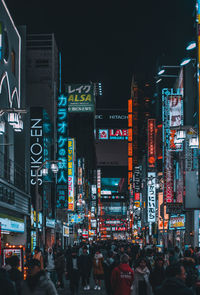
point(85, 268)
point(98, 269)
point(73, 271)
point(60, 268)
point(7, 286)
point(122, 277)
point(50, 265)
point(141, 284)
point(175, 282)
point(14, 274)
point(157, 275)
point(39, 257)
point(37, 282)
point(108, 265)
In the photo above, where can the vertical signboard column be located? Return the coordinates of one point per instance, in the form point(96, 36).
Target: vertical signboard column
point(151, 198)
point(62, 152)
point(71, 174)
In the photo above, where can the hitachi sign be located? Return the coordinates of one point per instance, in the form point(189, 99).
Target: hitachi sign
point(118, 117)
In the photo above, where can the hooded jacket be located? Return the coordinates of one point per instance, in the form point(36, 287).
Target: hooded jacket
point(173, 286)
point(121, 279)
point(40, 284)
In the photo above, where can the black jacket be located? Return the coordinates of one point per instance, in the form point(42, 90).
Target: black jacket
point(173, 286)
point(17, 277)
point(69, 265)
point(157, 277)
point(85, 263)
point(7, 286)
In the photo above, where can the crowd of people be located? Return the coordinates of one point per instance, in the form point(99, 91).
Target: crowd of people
point(123, 268)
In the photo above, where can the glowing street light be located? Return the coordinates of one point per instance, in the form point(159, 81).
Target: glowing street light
point(185, 61)
point(191, 45)
point(161, 72)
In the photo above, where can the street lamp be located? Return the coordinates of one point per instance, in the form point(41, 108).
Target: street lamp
point(192, 45)
point(45, 171)
point(185, 61)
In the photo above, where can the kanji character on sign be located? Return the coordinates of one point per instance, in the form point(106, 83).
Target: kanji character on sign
point(87, 88)
point(62, 152)
point(62, 178)
point(62, 141)
point(62, 114)
point(63, 163)
point(62, 101)
point(62, 127)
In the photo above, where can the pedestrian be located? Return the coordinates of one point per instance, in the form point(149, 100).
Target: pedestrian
point(14, 274)
point(38, 256)
point(37, 282)
point(141, 284)
point(175, 282)
point(85, 268)
point(60, 268)
point(191, 271)
point(98, 269)
point(108, 265)
point(50, 265)
point(7, 286)
point(157, 275)
point(73, 271)
point(122, 277)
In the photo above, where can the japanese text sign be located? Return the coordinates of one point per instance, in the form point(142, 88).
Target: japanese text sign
point(151, 196)
point(71, 175)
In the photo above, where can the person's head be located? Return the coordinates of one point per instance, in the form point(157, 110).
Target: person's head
point(37, 250)
point(34, 267)
point(176, 270)
point(14, 261)
point(159, 262)
point(50, 250)
point(124, 258)
point(187, 253)
point(142, 263)
point(84, 250)
point(74, 252)
point(122, 249)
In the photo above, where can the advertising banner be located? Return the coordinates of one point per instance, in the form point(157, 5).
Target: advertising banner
point(151, 143)
point(175, 110)
point(177, 222)
point(80, 98)
point(36, 150)
point(163, 218)
point(151, 196)
point(112, 134)
point(65, 231)
point(62, 152)
point(71, 174)
point(137, 183)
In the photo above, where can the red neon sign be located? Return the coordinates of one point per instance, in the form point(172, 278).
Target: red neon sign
point(151, 142)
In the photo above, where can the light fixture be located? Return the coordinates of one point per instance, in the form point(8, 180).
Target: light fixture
point(161, 72)
point(13, 118)
point(54, 168)
point(19, 126)
point(191, 45)
point(2, 127)
point(45, 171)
point(159, 80)
point(180, 134)
point(194, 142)
point(185, 61)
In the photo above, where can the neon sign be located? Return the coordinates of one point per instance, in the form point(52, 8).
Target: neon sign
point(113, 134)
point(71, 175)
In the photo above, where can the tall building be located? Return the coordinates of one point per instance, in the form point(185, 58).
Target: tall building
point(14, 177)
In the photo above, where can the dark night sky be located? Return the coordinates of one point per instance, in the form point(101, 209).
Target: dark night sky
point(108, 40)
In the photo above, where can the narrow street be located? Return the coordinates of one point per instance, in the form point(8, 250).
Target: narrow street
point(82, 292)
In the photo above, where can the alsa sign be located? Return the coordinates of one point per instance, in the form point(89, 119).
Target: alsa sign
point(113, 134)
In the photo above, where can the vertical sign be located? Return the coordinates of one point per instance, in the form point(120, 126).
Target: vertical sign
point(71, 174)
point(151, 142)
point(130, 141)
point(36, 149)
point(99, 190)
point(137, 183)
point(62, 152)
point(151, 197)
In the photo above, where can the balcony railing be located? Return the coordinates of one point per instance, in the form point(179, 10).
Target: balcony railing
point(13, 173)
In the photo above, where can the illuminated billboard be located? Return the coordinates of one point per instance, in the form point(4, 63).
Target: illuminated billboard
point(71, 174)
point(151, 197)
point(151, 143)
point(177, 222)
point(80, 98)
point(62, 152)
point(162, 216)
point(111, 184)
point(112, 134)
point(175, 110)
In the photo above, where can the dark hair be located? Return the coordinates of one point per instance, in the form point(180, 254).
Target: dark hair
point(187, 253)
point(124, 258)
point(34, 262)
point(14, 261)
point(173, 270)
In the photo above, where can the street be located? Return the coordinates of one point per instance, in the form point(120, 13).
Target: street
point(82, 292)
